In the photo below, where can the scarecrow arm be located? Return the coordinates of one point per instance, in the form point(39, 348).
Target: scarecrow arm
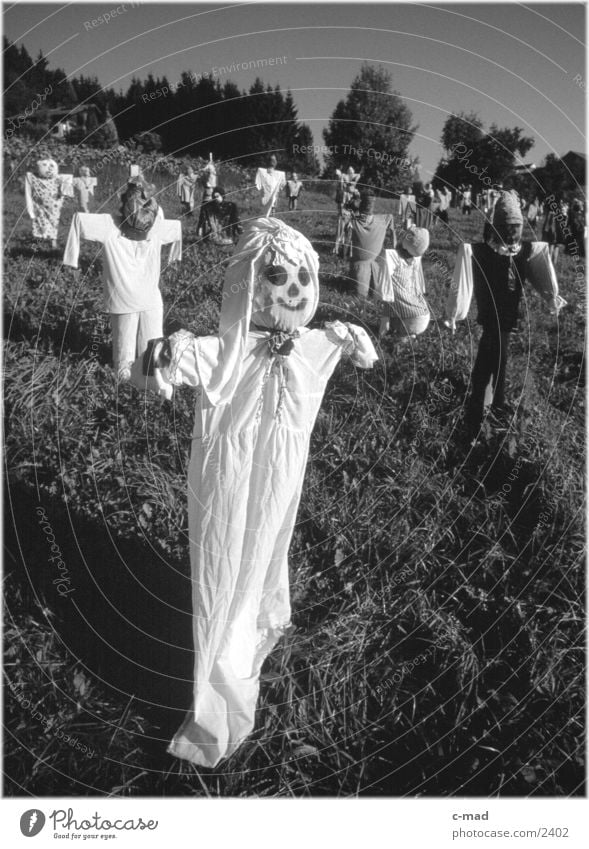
point(355, 342)
point(93, 228)
point(167, 362)
point(460, 294)
point(542, 276)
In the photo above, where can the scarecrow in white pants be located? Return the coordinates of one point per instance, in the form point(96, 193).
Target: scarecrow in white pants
point(260, 384)
point(131, 259)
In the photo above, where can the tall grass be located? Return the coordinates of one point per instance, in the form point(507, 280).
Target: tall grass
point(436, 646)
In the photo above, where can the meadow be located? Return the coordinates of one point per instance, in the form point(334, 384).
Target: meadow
point(437, 644)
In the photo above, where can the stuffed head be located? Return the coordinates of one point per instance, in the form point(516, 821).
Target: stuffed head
point(367, 202)
point(47, 168)
point(272, 282)
point(286, 285)
point(415, 241)
point(139, 209)
point(506, 230)
point(218, 195)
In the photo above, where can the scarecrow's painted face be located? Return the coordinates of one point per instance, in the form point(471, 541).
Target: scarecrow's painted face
point(285, 296)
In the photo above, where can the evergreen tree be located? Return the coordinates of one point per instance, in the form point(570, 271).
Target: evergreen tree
point(372, 130)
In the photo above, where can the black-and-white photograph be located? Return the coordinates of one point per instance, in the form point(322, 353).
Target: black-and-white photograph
point(294, 407)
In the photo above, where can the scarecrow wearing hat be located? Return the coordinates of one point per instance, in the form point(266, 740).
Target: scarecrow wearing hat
point(260, 384)
point(401, 286)
point(496, 270)
point(131, 267)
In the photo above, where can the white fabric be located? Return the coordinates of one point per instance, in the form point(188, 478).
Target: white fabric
point(84, 189)
point(244, 484)
point(540, 272)
point(132, 331)
point(269, 184)
point(221, 373)
point(392, 271)
point(185, 188)
point(131, 270)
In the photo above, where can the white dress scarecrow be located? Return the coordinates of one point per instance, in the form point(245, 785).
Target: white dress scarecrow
point(269, 183)
point(261, 382)
point(84, 186)
point(44, 194)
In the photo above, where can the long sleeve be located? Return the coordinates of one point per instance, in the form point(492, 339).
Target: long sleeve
point(420, 276)
point(460, 294)
point(29, 195)
point(170, 362)
point(259, 184)
point(170, 232)
point(542, 275)
point(93, 228)
point(355, 341)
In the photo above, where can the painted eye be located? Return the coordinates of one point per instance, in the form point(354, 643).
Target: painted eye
point(276, 274)
point(304, 277)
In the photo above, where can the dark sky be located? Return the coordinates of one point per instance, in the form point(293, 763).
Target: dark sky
point(513, 64)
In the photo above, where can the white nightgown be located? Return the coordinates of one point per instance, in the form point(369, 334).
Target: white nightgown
point(269, 184)
point(244, 484)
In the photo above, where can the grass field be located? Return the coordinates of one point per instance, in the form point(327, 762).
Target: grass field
point(437, 645)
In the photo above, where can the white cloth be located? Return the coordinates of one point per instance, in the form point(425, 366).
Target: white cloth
point(131, 270)
point(84, 189)
point(221, 373)
point(443, 197)
point(244, 484)
point(132, 331)
point(402, 283)
point(269, 184)
point(540, 273)
point(185, 188)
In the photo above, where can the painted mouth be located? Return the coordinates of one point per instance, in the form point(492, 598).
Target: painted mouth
point(300, 305)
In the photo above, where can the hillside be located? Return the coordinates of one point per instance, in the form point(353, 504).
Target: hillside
point(437, 640)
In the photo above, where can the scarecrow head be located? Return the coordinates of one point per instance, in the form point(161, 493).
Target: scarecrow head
point(272, 282)
point(414, 242)
point(138, 209)
point(506, 230)
point(47, 168)
point(286, 284)
point(218, 195)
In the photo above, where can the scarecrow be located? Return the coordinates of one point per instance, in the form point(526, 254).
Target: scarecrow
point(260, 385)
point(131, 260)
point(84, 186)
point(44, 194)
point(495, 270)
point(401, 286)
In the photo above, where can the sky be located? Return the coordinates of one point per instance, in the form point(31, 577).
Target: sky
point(513, 64)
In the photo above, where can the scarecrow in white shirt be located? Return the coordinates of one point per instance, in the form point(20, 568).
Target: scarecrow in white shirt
point(260, 385)
point(269, 182)
point(495, 271)
point(131, 260)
